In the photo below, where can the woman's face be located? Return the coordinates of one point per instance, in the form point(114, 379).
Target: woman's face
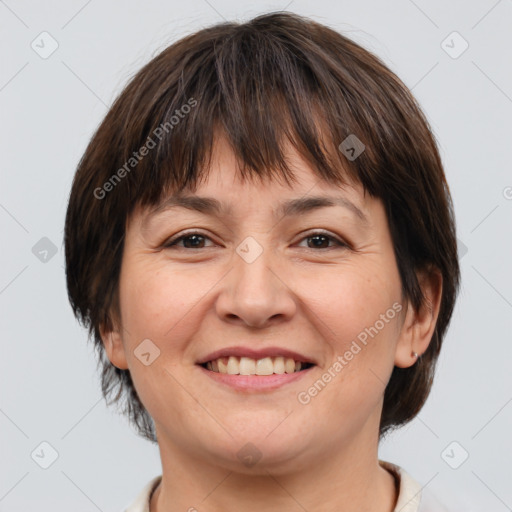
point(313, 284)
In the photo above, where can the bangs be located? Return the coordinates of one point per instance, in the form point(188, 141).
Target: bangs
point(262, 92)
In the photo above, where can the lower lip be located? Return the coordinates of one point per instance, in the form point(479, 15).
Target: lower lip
point(256, 382)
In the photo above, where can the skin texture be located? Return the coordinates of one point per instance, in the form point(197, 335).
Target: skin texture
point(191, 301)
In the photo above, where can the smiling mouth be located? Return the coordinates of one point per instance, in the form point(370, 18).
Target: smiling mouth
point(233, 365)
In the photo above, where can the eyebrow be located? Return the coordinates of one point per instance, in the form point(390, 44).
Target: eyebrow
point(212, 206)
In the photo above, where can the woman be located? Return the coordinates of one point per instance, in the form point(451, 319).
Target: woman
point(261, 241)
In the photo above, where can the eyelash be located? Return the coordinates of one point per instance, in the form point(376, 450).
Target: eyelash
point(174, 241)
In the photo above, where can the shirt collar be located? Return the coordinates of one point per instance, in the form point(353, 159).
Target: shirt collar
point(409, 490)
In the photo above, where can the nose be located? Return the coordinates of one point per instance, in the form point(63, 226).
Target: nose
point(256, 293)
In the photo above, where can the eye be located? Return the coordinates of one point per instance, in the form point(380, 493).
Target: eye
point(196, 240)
point(319, 240)
point(191, 241)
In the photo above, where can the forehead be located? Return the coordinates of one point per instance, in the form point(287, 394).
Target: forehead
point(224, 188)
point(225, 178)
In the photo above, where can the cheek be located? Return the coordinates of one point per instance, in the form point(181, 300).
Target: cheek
point(158, 303)
point(349, 299)
point(356, 310)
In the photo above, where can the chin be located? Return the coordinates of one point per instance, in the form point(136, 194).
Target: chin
point(267, 450)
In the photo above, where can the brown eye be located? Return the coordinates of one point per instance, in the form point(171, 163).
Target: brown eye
point(190, 241)
point(198, 241)
point(322, 240)
point(319, 241)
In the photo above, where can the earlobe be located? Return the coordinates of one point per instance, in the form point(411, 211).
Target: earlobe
point(418, 327)
point(114, 348)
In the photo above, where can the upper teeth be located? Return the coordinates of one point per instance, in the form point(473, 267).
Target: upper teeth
point(248, 366)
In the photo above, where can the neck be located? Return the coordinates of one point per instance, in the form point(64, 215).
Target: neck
point(348, 480)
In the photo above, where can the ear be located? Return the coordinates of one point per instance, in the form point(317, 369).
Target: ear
point(418, 327)
point(113, 344)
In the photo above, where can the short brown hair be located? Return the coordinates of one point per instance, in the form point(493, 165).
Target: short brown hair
point(275, 79)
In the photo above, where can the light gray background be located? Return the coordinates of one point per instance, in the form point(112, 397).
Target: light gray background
point(49, 109)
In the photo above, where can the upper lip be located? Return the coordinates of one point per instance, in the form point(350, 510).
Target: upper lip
point(240, 351)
